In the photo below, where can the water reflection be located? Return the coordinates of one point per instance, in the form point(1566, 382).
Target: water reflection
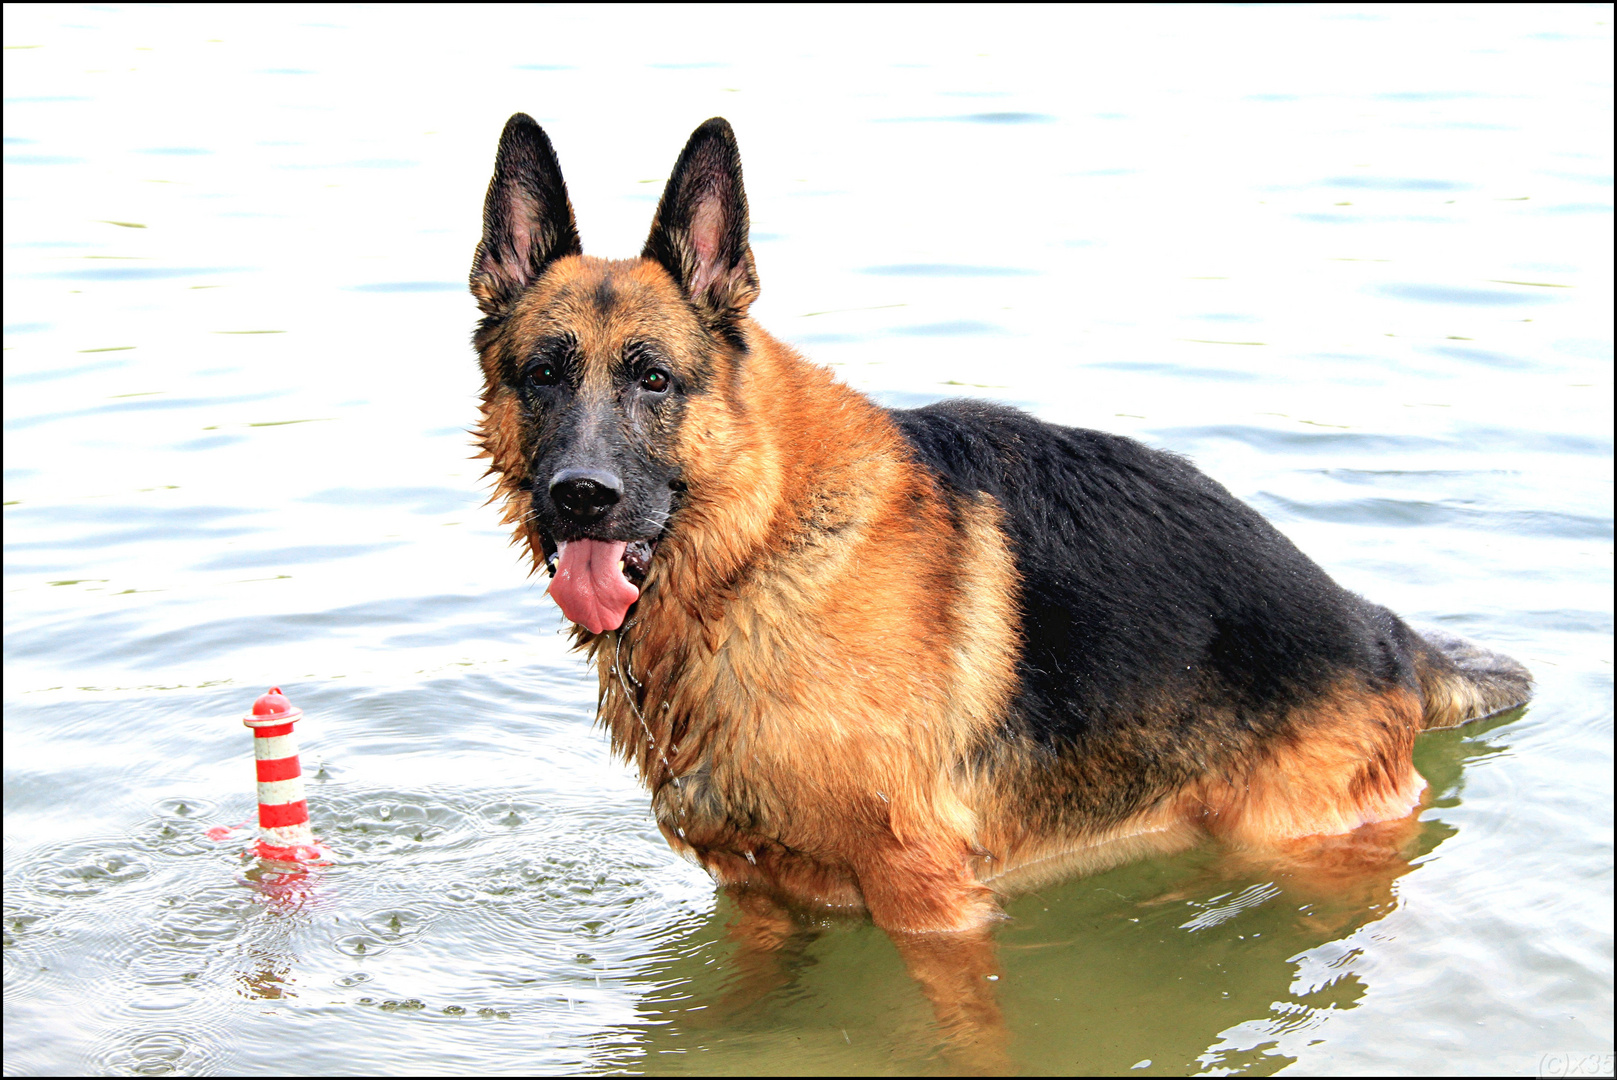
point(1428, 415)
point(1096, 973)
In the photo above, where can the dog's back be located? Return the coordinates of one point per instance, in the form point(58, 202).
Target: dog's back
point(1142, 577)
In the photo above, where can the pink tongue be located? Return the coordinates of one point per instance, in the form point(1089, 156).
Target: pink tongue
point(589, 585)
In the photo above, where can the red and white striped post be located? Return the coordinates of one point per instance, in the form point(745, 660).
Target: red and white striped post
point(283, 812)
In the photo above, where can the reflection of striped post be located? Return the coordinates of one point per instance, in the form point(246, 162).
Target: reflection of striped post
point(283, 813)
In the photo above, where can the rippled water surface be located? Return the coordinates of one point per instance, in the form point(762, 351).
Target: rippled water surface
point(1355, 263)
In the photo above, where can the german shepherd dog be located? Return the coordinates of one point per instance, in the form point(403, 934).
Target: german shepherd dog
point(901, 661)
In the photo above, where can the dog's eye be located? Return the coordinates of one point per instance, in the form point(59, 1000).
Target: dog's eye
point(544, 373)
point(655, 381)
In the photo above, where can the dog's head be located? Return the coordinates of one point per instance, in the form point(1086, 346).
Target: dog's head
point(605, 380)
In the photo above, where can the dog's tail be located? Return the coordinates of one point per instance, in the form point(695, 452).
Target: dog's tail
point(1461, 681)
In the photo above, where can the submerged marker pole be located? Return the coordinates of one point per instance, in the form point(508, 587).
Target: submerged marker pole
point(283, 812)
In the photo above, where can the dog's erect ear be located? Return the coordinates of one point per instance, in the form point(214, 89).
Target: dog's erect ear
point(700, 232)
point(527, 220)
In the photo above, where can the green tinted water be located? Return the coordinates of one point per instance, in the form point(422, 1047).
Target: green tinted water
point(1355, 263)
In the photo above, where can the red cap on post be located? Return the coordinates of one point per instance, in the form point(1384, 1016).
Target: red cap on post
point(272, 709)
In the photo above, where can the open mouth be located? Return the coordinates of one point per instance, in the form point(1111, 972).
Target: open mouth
point(595, 581)
point(637, 560)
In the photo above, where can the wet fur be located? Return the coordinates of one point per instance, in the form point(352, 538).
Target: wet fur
point(900, 659)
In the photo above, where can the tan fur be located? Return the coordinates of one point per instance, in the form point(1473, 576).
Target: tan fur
point(1352, 767)
point(1348, 765)
point(755, 656)
point(843, 722)
point(820, 740)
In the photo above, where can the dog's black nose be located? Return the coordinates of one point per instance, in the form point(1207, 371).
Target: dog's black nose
point(585, 494)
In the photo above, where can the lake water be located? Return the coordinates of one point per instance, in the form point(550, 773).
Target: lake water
point(1356, 263)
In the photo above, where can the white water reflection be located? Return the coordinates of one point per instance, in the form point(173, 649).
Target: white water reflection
point(1355, 262)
